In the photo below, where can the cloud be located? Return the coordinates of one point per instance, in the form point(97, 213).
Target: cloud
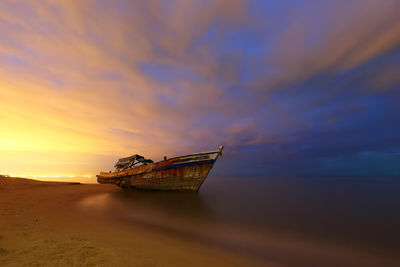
point(111, 78)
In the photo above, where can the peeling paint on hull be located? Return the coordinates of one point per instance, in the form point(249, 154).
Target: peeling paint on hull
point(186, 173)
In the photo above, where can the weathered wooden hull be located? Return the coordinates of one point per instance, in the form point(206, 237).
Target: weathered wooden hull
point(185, 173)
point(188, 178)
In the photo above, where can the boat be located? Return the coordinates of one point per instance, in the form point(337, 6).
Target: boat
point(184, 173)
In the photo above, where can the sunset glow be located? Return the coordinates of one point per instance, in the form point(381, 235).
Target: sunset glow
point(308, 88)
point(50, 176)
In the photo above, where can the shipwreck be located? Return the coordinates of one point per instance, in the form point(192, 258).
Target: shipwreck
point(184, 173)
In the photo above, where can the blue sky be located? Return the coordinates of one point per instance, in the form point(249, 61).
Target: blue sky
point(289, 87)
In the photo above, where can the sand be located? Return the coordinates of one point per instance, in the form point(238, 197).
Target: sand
point(42, 225)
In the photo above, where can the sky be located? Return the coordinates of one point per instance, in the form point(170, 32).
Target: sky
point(290, 88)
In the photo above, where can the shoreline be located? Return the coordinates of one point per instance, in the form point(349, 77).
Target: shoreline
point(73, 224)
point(40, 224)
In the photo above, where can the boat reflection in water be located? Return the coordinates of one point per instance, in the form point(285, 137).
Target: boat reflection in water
point(291, 221)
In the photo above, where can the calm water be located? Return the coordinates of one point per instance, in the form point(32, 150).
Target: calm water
point(291, 221)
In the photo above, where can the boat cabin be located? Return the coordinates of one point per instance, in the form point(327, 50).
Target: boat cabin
point(130, 162)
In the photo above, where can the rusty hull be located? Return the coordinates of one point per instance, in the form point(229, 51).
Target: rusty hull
point(186, 173)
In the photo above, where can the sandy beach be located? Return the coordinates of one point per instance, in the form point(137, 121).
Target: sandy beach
point(256, 223)
point(42, 225)
point(236, 133)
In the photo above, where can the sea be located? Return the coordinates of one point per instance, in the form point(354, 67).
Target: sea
point(289, 221)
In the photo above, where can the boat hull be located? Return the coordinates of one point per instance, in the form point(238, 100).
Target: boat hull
point(188, 178)
point(185, 173)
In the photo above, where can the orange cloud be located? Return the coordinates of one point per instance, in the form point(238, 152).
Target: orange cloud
point(72, 82)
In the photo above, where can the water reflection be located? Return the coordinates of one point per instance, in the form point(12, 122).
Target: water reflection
point(135, 203)
point(180, 214)
point(186, 204)
point(271, 217)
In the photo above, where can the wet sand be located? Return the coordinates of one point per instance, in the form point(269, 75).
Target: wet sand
point(261, 222)
point(41, 224)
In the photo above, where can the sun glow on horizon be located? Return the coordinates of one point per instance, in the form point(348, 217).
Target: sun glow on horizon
point(75, 178)
point(50, 176)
